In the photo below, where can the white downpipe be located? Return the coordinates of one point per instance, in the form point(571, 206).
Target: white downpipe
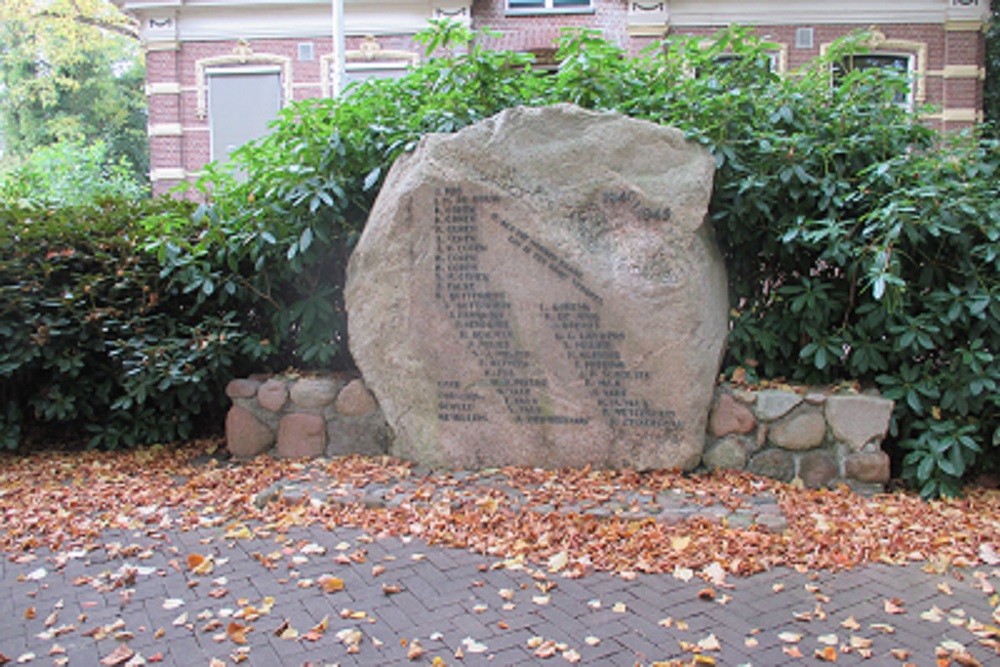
point(339, 46)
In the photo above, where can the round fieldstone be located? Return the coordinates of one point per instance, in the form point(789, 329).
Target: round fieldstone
point(799, 431)
point(246, 436)
point(728, 453)
point(817, 470)
point(730, 416)
point(774, 463)
point(301, 435)
point(272, 395)
point(242, 388)
point(355, 400)
point(314, 393)
point(858, 419)
point(773, 404)
point(868, 467)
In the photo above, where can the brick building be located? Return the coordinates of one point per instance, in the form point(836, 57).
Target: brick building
point(218, 70)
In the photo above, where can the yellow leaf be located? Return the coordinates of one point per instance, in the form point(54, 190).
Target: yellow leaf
point(331, 584)
point(680, 542)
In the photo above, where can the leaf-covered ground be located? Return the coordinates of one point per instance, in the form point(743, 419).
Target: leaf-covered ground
point(55, 499)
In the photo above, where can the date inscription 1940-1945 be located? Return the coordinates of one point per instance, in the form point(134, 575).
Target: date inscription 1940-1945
point(481, 312)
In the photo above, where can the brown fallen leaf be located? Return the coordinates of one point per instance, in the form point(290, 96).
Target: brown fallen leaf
point(792, 651)
point(850, 623)
point(237, 632)
point(415, 650)
point(119, 656)
point(826, 654)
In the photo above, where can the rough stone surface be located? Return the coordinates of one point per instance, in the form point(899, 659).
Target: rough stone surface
point(804, 429)
point(730, 416)
point(543, 289)
point(246, 436)
point(242, 388)
point(868, 467)
point(858, 419)
point(314, 393)
point(272, 395)
point(368, 435)
point(774, 403)
point(730, 452)
point(355, 400)
point(301, 435)
point(817, 469)
point(774, 463)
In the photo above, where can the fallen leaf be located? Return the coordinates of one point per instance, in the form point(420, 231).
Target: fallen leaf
point(826, 654)
point(237, 633)
point(792, 651)
point(893, 606)
point(710, 643)
point(850, 623)
point(415, 650)
point(680, 542)
point(790, 637)
point(707, 594)
point(331, 584)
point(558, 561)
point(900, 654)
point(988, 554)
point(934, 615)
point(571, 655)
point(119, 656)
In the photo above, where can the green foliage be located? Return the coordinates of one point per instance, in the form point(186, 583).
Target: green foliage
point(94, 347)
point(72, 71)
point(68, 174)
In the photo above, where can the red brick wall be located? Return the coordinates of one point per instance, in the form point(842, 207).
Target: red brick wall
point(522, 33)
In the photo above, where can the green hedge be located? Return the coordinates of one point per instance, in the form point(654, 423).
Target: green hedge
point(95, 347)
point(861, 246)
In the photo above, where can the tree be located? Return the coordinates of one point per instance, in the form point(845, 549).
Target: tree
point(71, 70)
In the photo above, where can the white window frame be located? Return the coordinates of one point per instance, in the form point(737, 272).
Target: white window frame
point(878, 44)
point(908, 102)
point(549, 7)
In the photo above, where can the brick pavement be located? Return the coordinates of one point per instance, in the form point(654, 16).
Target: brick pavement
point(76, 608)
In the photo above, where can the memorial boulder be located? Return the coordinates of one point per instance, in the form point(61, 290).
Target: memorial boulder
point(543, 289)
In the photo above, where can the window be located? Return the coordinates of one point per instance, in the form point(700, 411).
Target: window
point(241, 103)
point(555, 6)
point(901, 63)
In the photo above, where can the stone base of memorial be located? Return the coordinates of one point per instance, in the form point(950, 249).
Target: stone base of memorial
point(325, 415)
point(820, 437)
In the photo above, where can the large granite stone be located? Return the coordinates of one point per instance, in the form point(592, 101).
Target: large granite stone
point(543, 289)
